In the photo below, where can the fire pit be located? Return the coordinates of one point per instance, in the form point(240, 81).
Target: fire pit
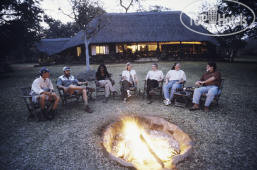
point(146, 142)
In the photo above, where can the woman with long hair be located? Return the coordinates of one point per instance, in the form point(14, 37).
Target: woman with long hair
point(104, 80)
point(174, 79)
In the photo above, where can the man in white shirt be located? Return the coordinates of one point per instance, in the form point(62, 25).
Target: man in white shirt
point(129, 79)
point(153, 78)
point(42, 90)
point(173, 80)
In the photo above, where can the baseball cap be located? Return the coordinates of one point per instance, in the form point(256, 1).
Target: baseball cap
point(44, 70)
point(66, 68)
point(155, 64)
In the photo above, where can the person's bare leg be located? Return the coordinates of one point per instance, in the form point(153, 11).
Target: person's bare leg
point(56, 101)
point(85, 98)
point(72, 88)
point(84, 94)
point(42, 101)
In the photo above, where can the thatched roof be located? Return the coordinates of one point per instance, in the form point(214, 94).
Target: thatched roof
point(145, 27)
point(51, 46)
point(76, 40)
point(130, 27)
point(56, 45)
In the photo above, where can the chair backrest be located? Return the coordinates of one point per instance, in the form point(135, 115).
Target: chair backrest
point(221, 84)
point(26, 91)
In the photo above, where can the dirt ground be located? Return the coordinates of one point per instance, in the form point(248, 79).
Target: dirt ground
point(224, 138)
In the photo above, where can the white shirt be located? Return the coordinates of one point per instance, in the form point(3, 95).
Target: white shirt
point(39, 85)
point(176, 75)
point(126, 74)
point(154, 75)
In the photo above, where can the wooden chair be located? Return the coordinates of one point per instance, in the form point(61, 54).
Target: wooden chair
point(217, 97)
point(156, 91)
point(133, 89)
point(100, 90)
point(33, 108)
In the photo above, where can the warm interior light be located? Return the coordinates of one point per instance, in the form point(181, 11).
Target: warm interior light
point(193, 42)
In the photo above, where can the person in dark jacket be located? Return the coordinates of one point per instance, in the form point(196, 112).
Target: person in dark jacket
point(104, 80)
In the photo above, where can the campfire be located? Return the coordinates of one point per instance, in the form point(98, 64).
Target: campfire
point(146, 142)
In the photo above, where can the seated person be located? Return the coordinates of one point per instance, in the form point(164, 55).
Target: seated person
point(128, 79)
point(104, 80)
point(210, 82)
point(42, 90)
point(173, 80)
point(70, 85)
point(153, 78)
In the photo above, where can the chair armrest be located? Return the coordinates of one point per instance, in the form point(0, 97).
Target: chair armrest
point(161, 83)
point(26, 96)
point(97, 83)
point(83, 83)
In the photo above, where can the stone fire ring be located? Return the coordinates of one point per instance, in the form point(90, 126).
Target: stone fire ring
point(183, 139)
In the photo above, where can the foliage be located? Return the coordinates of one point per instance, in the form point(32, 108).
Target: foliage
point(234, 42)
point(84, 11)
point(231, 44)
point(57, 29)
point(19, 27)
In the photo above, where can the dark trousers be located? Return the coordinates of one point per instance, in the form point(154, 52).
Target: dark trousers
point(124, 87)
point(150, 84)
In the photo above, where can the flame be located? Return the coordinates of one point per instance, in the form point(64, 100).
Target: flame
point(146, 150)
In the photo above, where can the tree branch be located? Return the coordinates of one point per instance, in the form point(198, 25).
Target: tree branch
point(126, 8)
point(65, 14)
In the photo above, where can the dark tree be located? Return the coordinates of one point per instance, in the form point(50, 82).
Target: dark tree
point(57, 29)
point(234, 42)
point(84, 11)
point(19, 28)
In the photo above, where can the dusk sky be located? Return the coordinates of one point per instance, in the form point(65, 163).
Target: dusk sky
point(51, 6)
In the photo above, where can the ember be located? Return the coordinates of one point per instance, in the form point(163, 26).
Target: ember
point(146, 142)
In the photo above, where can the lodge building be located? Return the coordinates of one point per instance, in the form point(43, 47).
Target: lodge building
point(120, 37)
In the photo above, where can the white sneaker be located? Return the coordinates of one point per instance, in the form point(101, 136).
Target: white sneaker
point(129, 95)
point(125, 100)
point(166, 102)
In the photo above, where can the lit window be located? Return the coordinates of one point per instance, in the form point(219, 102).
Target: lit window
point(152, 47)
point(101, 50)
point(78, 51)
point(133, 48)
point(119, 48)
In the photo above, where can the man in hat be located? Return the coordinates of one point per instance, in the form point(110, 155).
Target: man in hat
point(42, 90)
point(209, 82)
point(129, 79)
point(153, 78)
point(71, 85)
